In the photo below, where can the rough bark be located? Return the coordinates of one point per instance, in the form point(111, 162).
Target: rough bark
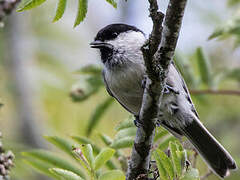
point(158, 52)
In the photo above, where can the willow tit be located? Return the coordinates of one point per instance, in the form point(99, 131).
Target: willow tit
point(123, 73)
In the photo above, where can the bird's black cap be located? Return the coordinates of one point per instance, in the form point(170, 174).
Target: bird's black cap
point(113, 30)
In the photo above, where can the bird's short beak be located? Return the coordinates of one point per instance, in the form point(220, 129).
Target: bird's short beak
point(99, 44)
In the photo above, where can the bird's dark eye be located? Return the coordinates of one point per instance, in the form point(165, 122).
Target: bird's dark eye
point(115, 34)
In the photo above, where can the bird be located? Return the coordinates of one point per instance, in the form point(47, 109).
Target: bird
point(123, 73)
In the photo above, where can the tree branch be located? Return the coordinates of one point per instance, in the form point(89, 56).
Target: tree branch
point(157, 59)
point(6, 7)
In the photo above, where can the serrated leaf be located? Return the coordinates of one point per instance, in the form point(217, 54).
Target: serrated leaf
point(65, 174)
point(204, 67)
point(125, 124)
point(112, 2)
point(105, 155)
point(90, 70)
point(98, 113)
point(54, 160)
point(82, 11)
point(60, 10)
point(114, 174)
point(40, 166)
point(61, 143)
point(29, 4)
point(191, 174)
point(166, 162)
point(88, 154)
point(127, 132)
point(161, 169)
point(164, 144)
point(176, 161)
point(122, 143)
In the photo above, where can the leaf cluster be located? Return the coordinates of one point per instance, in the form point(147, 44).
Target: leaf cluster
point(86, 159)
point(61, 7)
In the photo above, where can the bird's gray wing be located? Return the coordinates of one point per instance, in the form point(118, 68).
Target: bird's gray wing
point(188, 96)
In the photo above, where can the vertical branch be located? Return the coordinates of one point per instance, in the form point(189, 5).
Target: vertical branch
point(157, 52)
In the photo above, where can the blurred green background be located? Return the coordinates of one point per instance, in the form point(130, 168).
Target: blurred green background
point(39, 60)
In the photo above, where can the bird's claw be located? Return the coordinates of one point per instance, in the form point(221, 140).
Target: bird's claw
point(169, 89)
point(144, 81)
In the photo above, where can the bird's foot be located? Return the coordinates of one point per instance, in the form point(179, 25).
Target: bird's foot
point(137, 122)
point(169, 89)
point(144, 81)
point(158, 123)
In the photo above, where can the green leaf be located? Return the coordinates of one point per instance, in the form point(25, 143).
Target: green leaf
point(233, 2)
point(176, 161)
point(61, 143)
point(98, 113)
point(161, 169)
point(105, 155)
point(82, 11)
point(106, 139)
point(126, 124)
point(112, 2)
point(127, 132)
point(186, 70)
point(122, 143)
point(204, 67)
point(90, 70)
point(54, 160)
point(164, 144)
point(29, 4)
point(114, 174)
point(83, 140)
point(88, 154)
point(191, 174)
point(166, 162)
point(233, 74)
point(40, 166)
point(82, 160)
point(65, 174)
point(218, 32)
point(82, 90)
point(160, 133)
point(96, 149)
point(179, 146)
point(60, 10)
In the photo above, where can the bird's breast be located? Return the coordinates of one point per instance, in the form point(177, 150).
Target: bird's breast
point(125, 85)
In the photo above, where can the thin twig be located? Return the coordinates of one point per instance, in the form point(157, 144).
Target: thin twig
point(157, 58)
point(206, 175)
point(215, 92)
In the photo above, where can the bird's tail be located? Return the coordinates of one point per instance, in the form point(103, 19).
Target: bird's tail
point(219, 160)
